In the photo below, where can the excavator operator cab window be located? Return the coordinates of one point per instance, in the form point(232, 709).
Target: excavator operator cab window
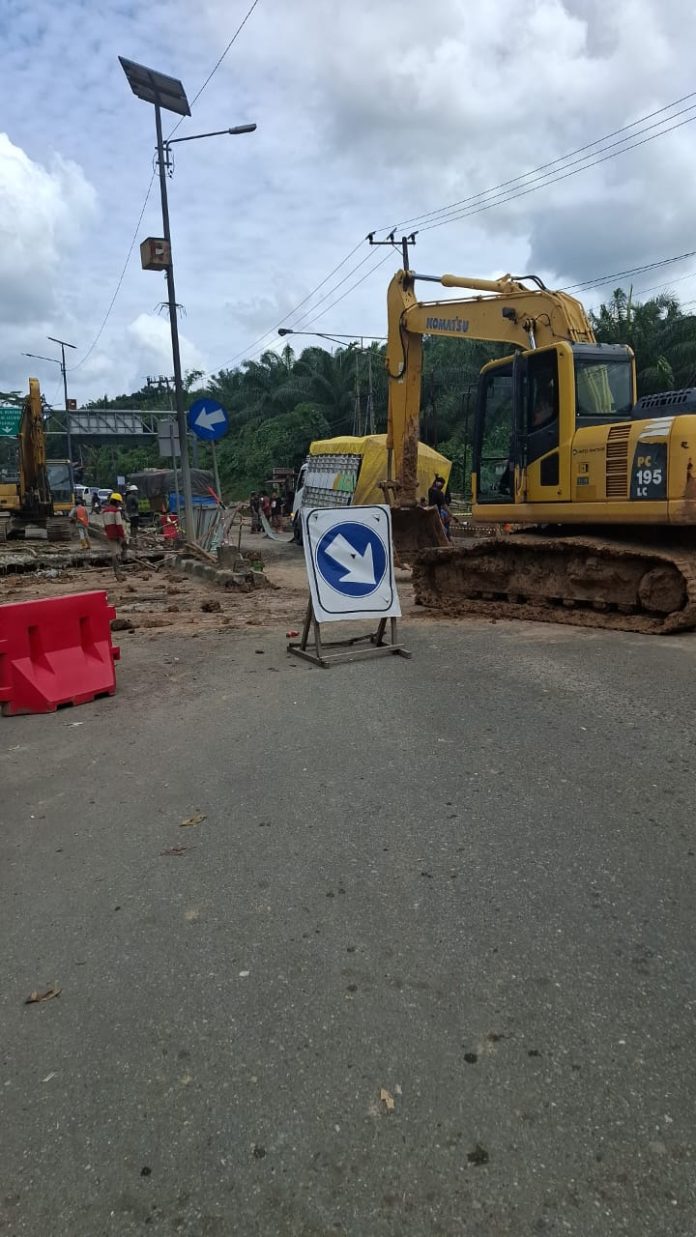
point(541, 400)
point(603, 389)
point(9, 461)
point(493, 460)
point(542, 391)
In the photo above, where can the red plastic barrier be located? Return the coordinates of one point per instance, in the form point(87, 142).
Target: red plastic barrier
point(56, 651)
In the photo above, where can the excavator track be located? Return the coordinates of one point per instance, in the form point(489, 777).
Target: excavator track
point(588, 581)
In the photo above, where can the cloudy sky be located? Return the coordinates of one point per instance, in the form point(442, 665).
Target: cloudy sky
point(369, 112)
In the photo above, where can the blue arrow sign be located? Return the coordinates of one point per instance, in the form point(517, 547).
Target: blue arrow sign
point(352, 559)
point(207, 419)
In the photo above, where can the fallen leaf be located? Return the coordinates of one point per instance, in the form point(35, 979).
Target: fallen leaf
point(174, 850)
point(36, 997)
point(196, 819)
point(387, 1099)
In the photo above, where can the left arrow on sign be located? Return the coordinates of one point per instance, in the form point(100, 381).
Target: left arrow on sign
point(207, 419)
point(359, 568)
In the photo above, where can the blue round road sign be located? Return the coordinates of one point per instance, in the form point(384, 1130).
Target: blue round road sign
point(352, 559)
point(207, 419)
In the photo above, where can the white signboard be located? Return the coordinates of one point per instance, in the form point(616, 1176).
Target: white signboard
point(350, 565)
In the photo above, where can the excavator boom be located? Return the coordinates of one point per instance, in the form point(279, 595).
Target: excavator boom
point(505, 311)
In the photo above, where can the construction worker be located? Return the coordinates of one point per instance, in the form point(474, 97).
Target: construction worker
point(115, 531)
point(132, 508)
point(80, 516)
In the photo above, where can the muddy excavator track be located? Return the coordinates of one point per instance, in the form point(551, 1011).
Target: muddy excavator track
point(588, 581)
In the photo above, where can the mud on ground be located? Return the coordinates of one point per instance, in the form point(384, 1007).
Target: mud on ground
point(156, 599)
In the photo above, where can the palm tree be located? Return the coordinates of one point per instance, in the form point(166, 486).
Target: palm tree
point(662, 336)
point(324, 381)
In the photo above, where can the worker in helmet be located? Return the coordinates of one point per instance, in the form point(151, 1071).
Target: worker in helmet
point(115, 531)
point(132, 507)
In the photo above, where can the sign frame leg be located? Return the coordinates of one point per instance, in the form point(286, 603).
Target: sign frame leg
point(344, 650)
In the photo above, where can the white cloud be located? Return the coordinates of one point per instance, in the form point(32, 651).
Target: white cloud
point(42, 213)
point(150, 338)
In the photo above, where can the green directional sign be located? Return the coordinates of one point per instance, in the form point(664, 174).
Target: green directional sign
point(10, 418)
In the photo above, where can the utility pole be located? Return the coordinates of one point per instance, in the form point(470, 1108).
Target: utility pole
point(54, 361)
point(163, 91)
point(174, 326)
point(370, 408)
point(63, 345)
point(391, 240)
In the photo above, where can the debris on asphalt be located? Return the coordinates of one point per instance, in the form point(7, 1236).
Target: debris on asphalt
point(174, 850)
point(211, 607)
point(478, 1156)
point(387, 1099)
point(196, 819)
point(258, 1152)
point(121, 624)
point(291, 633)
point(36, 997)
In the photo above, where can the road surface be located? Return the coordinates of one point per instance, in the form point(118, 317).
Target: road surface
point(425, 966)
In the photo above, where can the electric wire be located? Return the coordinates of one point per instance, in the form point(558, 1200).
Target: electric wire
point(504, 199)
point(217, 64)
point(562, 159)
point(112, 302)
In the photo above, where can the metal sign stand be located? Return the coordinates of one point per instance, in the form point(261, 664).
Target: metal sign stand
point(347, 652)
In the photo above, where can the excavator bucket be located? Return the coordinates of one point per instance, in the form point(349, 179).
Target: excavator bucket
point(415, 529)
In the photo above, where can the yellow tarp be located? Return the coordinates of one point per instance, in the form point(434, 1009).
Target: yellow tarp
point(373, 449)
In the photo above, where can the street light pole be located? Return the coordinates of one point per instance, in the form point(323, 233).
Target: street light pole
point(174, 326)
point(63, 345)
point(167, 92)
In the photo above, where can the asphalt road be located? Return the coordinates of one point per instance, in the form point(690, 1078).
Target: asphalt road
point(467, 880)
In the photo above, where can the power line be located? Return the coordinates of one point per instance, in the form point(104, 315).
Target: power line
point(112, 302)
point(553, 180)
point(497, 198)
point(601, 280)
point(552, 163)
point(217, 64)
point(198, 94)
point(362, 279)
point(310, 315)
point(283, 321)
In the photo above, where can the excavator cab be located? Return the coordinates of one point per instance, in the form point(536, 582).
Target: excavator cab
point(530, 408)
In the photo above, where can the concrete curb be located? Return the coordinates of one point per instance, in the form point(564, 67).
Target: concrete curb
point(244, 581)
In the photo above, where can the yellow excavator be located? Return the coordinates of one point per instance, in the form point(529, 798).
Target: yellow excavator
point(599, 488)
point(25, 491)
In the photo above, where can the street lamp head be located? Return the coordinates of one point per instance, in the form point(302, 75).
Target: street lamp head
point(35, 356)
point(243, 129)
point(155, 87)
point(285, 330)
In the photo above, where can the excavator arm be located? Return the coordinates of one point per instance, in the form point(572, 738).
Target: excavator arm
point(508, 313)
point(34, 489)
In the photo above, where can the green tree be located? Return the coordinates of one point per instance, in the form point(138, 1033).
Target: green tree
point(662, 336)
